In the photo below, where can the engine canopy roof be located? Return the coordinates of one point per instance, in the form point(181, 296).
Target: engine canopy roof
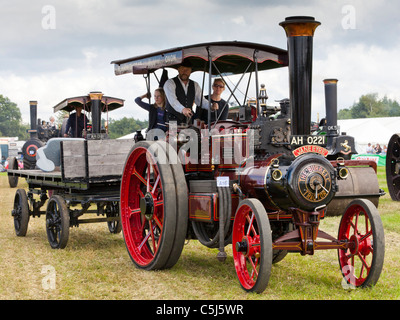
point(229, 57)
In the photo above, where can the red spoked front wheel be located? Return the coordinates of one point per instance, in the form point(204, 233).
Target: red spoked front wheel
point(148, 206)
point(252, 245)
point(361, 227)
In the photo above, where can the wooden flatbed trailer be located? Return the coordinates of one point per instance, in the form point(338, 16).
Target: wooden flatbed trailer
point(86, 182)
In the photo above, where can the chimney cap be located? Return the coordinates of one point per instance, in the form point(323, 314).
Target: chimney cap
point(300, 26)
point(300, 19)
point(328, 81)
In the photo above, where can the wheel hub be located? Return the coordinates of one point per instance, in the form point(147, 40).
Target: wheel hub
point(147, 206)
point(355, 244)
point(249, 246)
point(362, 246)
point(242, 246)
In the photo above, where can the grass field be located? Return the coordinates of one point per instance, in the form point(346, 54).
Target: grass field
point(96, 265)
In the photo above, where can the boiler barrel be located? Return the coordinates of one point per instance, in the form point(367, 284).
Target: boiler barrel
point(362, 182)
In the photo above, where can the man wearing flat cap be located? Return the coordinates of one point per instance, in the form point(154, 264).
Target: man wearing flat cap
point(182, 93)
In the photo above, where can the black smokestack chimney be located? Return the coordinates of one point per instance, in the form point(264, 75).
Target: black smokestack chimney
point(33, 113)
point(331, 109)
point(300, 32)
point(95, 98)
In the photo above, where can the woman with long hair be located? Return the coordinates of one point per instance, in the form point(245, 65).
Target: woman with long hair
point(156, 110)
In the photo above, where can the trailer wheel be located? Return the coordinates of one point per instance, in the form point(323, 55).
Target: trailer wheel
point(252, 245)
point(13, 180)
point(393, 167)
point(112, 211)
point(21, 213)
point(148, 206)
point(57, 222)
point(361, 226)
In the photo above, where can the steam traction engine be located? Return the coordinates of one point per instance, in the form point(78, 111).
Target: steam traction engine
point(268, 204)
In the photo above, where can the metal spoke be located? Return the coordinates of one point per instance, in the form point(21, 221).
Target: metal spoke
point(144, 241)
point(148, 178)
point(254, 268)
point(136, 174)
point(155, 184)
point(158, 222)
point(251, 227)
point(152, 236)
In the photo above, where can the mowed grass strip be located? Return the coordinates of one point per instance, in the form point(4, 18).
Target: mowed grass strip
point(95, 265)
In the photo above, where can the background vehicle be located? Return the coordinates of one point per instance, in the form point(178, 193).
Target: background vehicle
point(72, 176)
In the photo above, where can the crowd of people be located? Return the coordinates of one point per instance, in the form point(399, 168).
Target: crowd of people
point(376, 149)
point(72, 126)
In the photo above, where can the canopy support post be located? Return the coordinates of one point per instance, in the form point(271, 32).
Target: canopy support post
point(209, 89)
point(257, 85)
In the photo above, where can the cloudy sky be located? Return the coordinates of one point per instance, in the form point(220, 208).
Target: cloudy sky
point(51, 50)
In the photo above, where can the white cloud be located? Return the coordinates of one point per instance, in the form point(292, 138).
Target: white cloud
point(361, 69)
point(239, 20)
point(74, 59)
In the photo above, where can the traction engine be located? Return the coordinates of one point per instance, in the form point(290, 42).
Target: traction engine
point(266, 205)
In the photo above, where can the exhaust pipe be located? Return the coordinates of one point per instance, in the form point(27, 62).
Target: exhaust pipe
point(33, 113)
point(300, 31)
point(331, 109)
point(95, 98)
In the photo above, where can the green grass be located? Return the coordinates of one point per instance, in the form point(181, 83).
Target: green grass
point(96, 265)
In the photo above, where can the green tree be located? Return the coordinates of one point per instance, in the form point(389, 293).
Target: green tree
point(124, 126)
point(10, 119)
point(370, 106)
point(392, 106)
point(345, 114)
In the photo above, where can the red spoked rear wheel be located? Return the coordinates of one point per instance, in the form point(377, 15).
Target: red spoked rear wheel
point(361, 226)
point(252, 245)
point(148, 206)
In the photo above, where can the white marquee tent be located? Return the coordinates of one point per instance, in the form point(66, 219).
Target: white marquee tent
point(370, 130)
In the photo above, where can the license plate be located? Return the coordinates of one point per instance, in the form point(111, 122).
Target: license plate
point(308, 140)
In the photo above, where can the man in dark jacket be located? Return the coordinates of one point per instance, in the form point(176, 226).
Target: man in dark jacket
point(76, 123)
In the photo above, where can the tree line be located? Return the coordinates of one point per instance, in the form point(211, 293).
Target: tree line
point(11, 124)
point(370, 106)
